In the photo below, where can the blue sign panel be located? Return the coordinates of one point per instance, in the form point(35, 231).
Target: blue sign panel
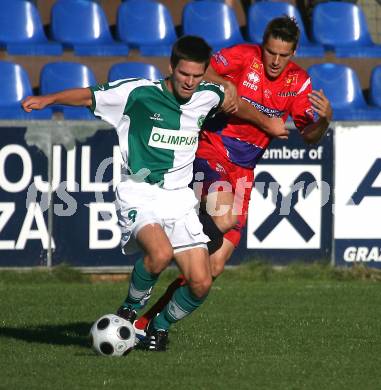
point(24, 237)
point(85, 223)
point(83, 218)
point(290, 216)
point(351, 252)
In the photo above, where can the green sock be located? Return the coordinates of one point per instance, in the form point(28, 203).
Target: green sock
point(140, 284)
point(182, 303)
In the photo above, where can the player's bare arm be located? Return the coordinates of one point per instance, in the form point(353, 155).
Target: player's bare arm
point(274, 127)
point(71, 97)
point(321, 105)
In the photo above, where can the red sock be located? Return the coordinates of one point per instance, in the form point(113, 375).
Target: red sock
point(158, 306)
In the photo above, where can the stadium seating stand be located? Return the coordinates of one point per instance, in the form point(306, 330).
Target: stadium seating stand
point(342, 87)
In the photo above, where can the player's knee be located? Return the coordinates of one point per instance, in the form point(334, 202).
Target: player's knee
point(225, 222)
point(201, 287)
point(159, 260)
point(221, 257)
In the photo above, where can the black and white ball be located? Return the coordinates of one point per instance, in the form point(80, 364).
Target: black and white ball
point(112, 335)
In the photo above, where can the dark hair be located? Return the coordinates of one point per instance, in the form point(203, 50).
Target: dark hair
point(191, 48)
point(284, 28)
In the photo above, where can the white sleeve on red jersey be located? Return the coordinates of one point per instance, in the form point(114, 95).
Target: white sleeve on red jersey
point(301, 109)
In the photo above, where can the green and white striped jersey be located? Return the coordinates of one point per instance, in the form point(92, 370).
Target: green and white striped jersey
point(158, 134)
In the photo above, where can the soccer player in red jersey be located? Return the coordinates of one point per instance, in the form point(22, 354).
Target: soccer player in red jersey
point(230, 148)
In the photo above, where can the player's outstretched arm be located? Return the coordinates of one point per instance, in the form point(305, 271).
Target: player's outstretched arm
point(71, 97)
point(320, 104)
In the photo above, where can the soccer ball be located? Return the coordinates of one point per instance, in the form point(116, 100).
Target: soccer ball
point(112, 335)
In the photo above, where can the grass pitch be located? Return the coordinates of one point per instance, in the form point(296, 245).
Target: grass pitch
point(305, 327)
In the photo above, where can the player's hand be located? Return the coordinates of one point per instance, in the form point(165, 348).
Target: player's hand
point(230, 104)
point(34, 103)
point(276, 128)
point(320, 104)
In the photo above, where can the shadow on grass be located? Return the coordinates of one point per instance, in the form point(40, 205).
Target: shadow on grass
point(76, 334)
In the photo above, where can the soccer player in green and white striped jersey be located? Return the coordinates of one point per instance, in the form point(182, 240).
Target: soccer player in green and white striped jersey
point(158, 124)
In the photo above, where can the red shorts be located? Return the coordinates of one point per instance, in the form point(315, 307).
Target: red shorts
point(220, 174)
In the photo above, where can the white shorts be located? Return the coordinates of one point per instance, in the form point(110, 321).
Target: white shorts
point(139, 204)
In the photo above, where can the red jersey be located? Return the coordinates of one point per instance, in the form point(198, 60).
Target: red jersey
point(287, 95)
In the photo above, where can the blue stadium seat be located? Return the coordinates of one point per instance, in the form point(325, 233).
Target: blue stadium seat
point(82, 25)
point(57, 76)
point(342, 27)
point(126, 70)
point(15, 86)
point(215, 22)
point(261, 13)
point(342, 87)
point(21, 30)
point(146, 25)
point(375, 86)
